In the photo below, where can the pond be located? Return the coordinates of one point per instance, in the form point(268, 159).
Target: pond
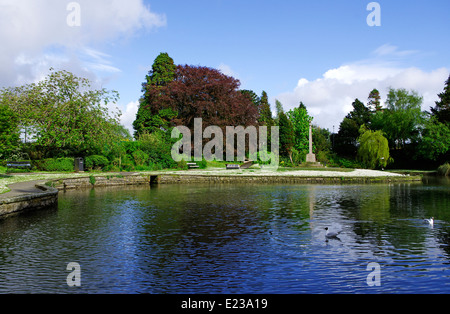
point(233, 239)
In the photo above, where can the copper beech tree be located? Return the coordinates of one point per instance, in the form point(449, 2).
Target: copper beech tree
point(202, 92)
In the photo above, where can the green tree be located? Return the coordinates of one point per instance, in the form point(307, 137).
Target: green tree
point(286, 136)
point(442, 109)
point(300, 121)
point(265, 113)
point(347, 138)
point(374, 103)
point(148, 120)
point(402, 119)
point(9, 133)
point(373, 150)
point(66, 114)
point(435, 139)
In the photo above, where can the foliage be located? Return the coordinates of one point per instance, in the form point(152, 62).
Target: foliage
point(96, 162)
point(402, 119)
point(9, 135)
point(287, 135)
point(66, 115)
point(148, 120)
point(140, 158)
point(300, 122)
point(374, 103)
point(346, 140)
point(201, 92)
point(442, 109)
point(157, 146)
point(55, 164)
point(374, 149)
point(265, 113)
point(435, 139)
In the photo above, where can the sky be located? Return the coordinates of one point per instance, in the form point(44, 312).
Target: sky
point(322, 52)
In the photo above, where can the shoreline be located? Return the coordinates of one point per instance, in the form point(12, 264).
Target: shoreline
point(43, 191)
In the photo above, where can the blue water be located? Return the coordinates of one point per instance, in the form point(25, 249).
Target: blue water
point(233, 239)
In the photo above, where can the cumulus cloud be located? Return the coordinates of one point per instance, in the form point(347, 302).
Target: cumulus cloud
point(329, 98)
point(129, 115)
point(35, 35)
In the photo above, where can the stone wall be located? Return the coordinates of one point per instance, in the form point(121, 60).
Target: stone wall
point(101, 181)
point(48, 198)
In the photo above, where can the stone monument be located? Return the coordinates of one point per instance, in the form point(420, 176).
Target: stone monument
point(310, 157)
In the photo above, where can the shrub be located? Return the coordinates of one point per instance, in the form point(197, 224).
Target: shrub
point(55, 164)
point(96, 162)
point(140, 158)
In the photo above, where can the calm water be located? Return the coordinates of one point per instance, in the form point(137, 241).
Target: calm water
point(233, 239)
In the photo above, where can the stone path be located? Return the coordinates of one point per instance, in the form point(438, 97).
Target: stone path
point(22, 188)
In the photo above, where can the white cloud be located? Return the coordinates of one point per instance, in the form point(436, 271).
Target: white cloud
point(31, 29)
point(227, 70)
point(129, 115)
point(329, 98)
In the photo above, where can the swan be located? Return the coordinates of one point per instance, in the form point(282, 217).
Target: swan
point(331, 234)
point(430, 221)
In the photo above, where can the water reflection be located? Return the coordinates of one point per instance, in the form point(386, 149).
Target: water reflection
point(233, 239)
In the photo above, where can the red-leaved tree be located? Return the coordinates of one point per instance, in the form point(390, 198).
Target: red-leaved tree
point(202, 92)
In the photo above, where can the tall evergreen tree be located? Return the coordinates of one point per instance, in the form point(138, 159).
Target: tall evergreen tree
point(265, 114)
point(374, 100)
point(442, 109)
point(147, 120)
point(300, 121)
point(287, 136)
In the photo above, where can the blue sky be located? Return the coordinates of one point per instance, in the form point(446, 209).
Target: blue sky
point(320, 52)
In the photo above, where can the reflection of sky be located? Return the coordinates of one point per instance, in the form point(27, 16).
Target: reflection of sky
point(235, 239)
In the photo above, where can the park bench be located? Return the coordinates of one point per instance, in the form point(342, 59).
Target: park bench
point(233, 167)
point(18, 165)
point(192, 165)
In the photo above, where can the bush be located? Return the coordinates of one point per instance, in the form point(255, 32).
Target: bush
point(96, 162)
point(55, 164)
point(140, 158)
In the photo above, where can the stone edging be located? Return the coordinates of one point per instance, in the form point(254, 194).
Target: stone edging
point(15, 204)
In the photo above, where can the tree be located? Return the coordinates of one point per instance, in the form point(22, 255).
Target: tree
point(148, 120)
point(67, 116)
point(403, 118)
point(265, 113)
point(9, 133)
point(286, 136)
point(202, 92)
point(300, 121)
point(374, 100)
point(373, 150)
point(346, 140)
point(442, 109)
point(435, 139)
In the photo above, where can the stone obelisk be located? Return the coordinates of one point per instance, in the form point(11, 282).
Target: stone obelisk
point(310, 157)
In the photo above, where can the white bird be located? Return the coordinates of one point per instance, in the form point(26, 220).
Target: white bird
point(331, 234)
point(430, 221)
